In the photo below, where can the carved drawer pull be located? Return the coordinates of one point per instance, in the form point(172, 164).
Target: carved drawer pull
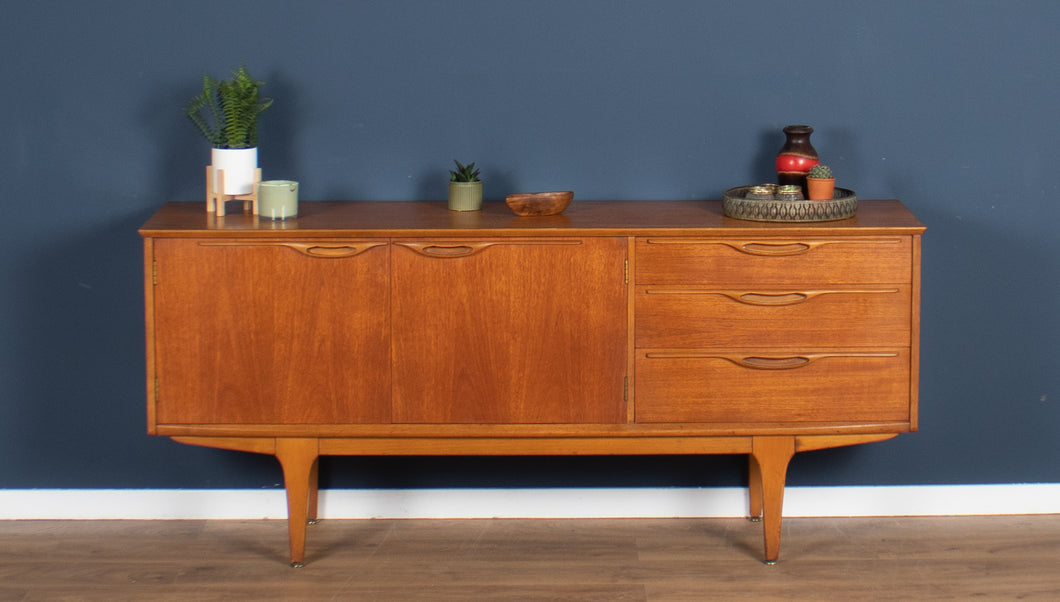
point(780, 249)
point(796, 297)
point(773, 299)
point(770, 249)
point(774, 249)
point(774, 363)
point(799, 361)
point(757, 362)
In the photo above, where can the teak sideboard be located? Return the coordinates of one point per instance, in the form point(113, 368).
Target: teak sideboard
point(630, 327)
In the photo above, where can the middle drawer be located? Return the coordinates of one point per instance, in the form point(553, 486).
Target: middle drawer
point(845, 316)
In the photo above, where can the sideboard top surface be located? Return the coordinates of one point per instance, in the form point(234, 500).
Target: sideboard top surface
point(583, 218)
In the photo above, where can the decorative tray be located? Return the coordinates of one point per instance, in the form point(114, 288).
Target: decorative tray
point(736, 204)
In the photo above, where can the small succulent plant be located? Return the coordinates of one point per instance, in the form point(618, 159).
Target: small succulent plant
point(463, 173)
point(820, 171)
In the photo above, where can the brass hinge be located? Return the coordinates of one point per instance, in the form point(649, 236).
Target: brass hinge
point(626, 261)
point(625, 388)
point(154, 273)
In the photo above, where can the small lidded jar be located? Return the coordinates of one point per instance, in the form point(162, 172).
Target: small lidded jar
point(790, 192)
point(761, 192)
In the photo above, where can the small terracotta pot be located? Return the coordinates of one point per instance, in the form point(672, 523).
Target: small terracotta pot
point(820, 189)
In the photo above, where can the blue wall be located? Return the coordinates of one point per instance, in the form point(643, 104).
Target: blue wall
point(950, 106)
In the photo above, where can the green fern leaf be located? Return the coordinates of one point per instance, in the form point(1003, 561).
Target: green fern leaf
point(233, 106)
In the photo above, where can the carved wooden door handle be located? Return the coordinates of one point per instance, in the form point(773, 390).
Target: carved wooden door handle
point(309, 249)
point(330, 251)
point(433, 249)
point(465, 249)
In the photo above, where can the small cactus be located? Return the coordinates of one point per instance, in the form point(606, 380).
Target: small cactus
point(463, 173)
point(820, 171)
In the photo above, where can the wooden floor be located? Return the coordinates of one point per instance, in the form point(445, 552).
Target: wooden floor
point(637, 559)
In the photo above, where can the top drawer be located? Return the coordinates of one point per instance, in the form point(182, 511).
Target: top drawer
point(846, 260)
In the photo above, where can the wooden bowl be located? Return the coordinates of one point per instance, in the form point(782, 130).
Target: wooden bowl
point(529, 204)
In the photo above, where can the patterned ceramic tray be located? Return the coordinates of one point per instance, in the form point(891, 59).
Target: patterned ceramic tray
point(843, 205)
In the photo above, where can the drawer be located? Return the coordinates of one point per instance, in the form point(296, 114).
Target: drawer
point(685, 316)
point(852, 260)
point(745, 386)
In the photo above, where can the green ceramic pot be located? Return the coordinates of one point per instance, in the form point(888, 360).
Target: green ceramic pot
point(465, 196)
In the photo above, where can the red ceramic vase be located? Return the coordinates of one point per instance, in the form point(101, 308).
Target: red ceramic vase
point(796, 157)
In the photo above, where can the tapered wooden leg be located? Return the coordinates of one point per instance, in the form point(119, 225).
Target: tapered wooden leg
point(299, 459)
point(754, 488)
point(772, 455)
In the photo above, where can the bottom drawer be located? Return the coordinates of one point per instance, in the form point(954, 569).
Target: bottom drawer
point(754, 386)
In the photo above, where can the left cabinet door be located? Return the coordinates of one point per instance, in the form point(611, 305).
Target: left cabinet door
point(271, 332)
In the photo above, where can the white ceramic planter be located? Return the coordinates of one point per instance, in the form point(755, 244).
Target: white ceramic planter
point(239, 165)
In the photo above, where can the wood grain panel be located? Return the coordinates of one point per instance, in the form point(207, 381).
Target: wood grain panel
point(772, 386)
point(841, 316)
point(516, 331)
point(776, 261)
point(269, 333)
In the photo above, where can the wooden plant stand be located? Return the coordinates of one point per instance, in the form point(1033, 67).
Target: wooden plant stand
point(215, 201)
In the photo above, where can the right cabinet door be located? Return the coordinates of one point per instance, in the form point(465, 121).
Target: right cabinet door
point(516, 331)
point(773, 331)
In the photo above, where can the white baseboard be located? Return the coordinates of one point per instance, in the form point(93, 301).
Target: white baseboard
point(923, 500)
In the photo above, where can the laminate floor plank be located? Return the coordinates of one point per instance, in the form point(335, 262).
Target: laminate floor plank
point(938, 558)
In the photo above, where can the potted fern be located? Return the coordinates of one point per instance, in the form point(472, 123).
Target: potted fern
point(226, 113)
point(820, 185)
point(465, 188)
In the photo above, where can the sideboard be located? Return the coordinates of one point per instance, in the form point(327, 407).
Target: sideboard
point(630, 327)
